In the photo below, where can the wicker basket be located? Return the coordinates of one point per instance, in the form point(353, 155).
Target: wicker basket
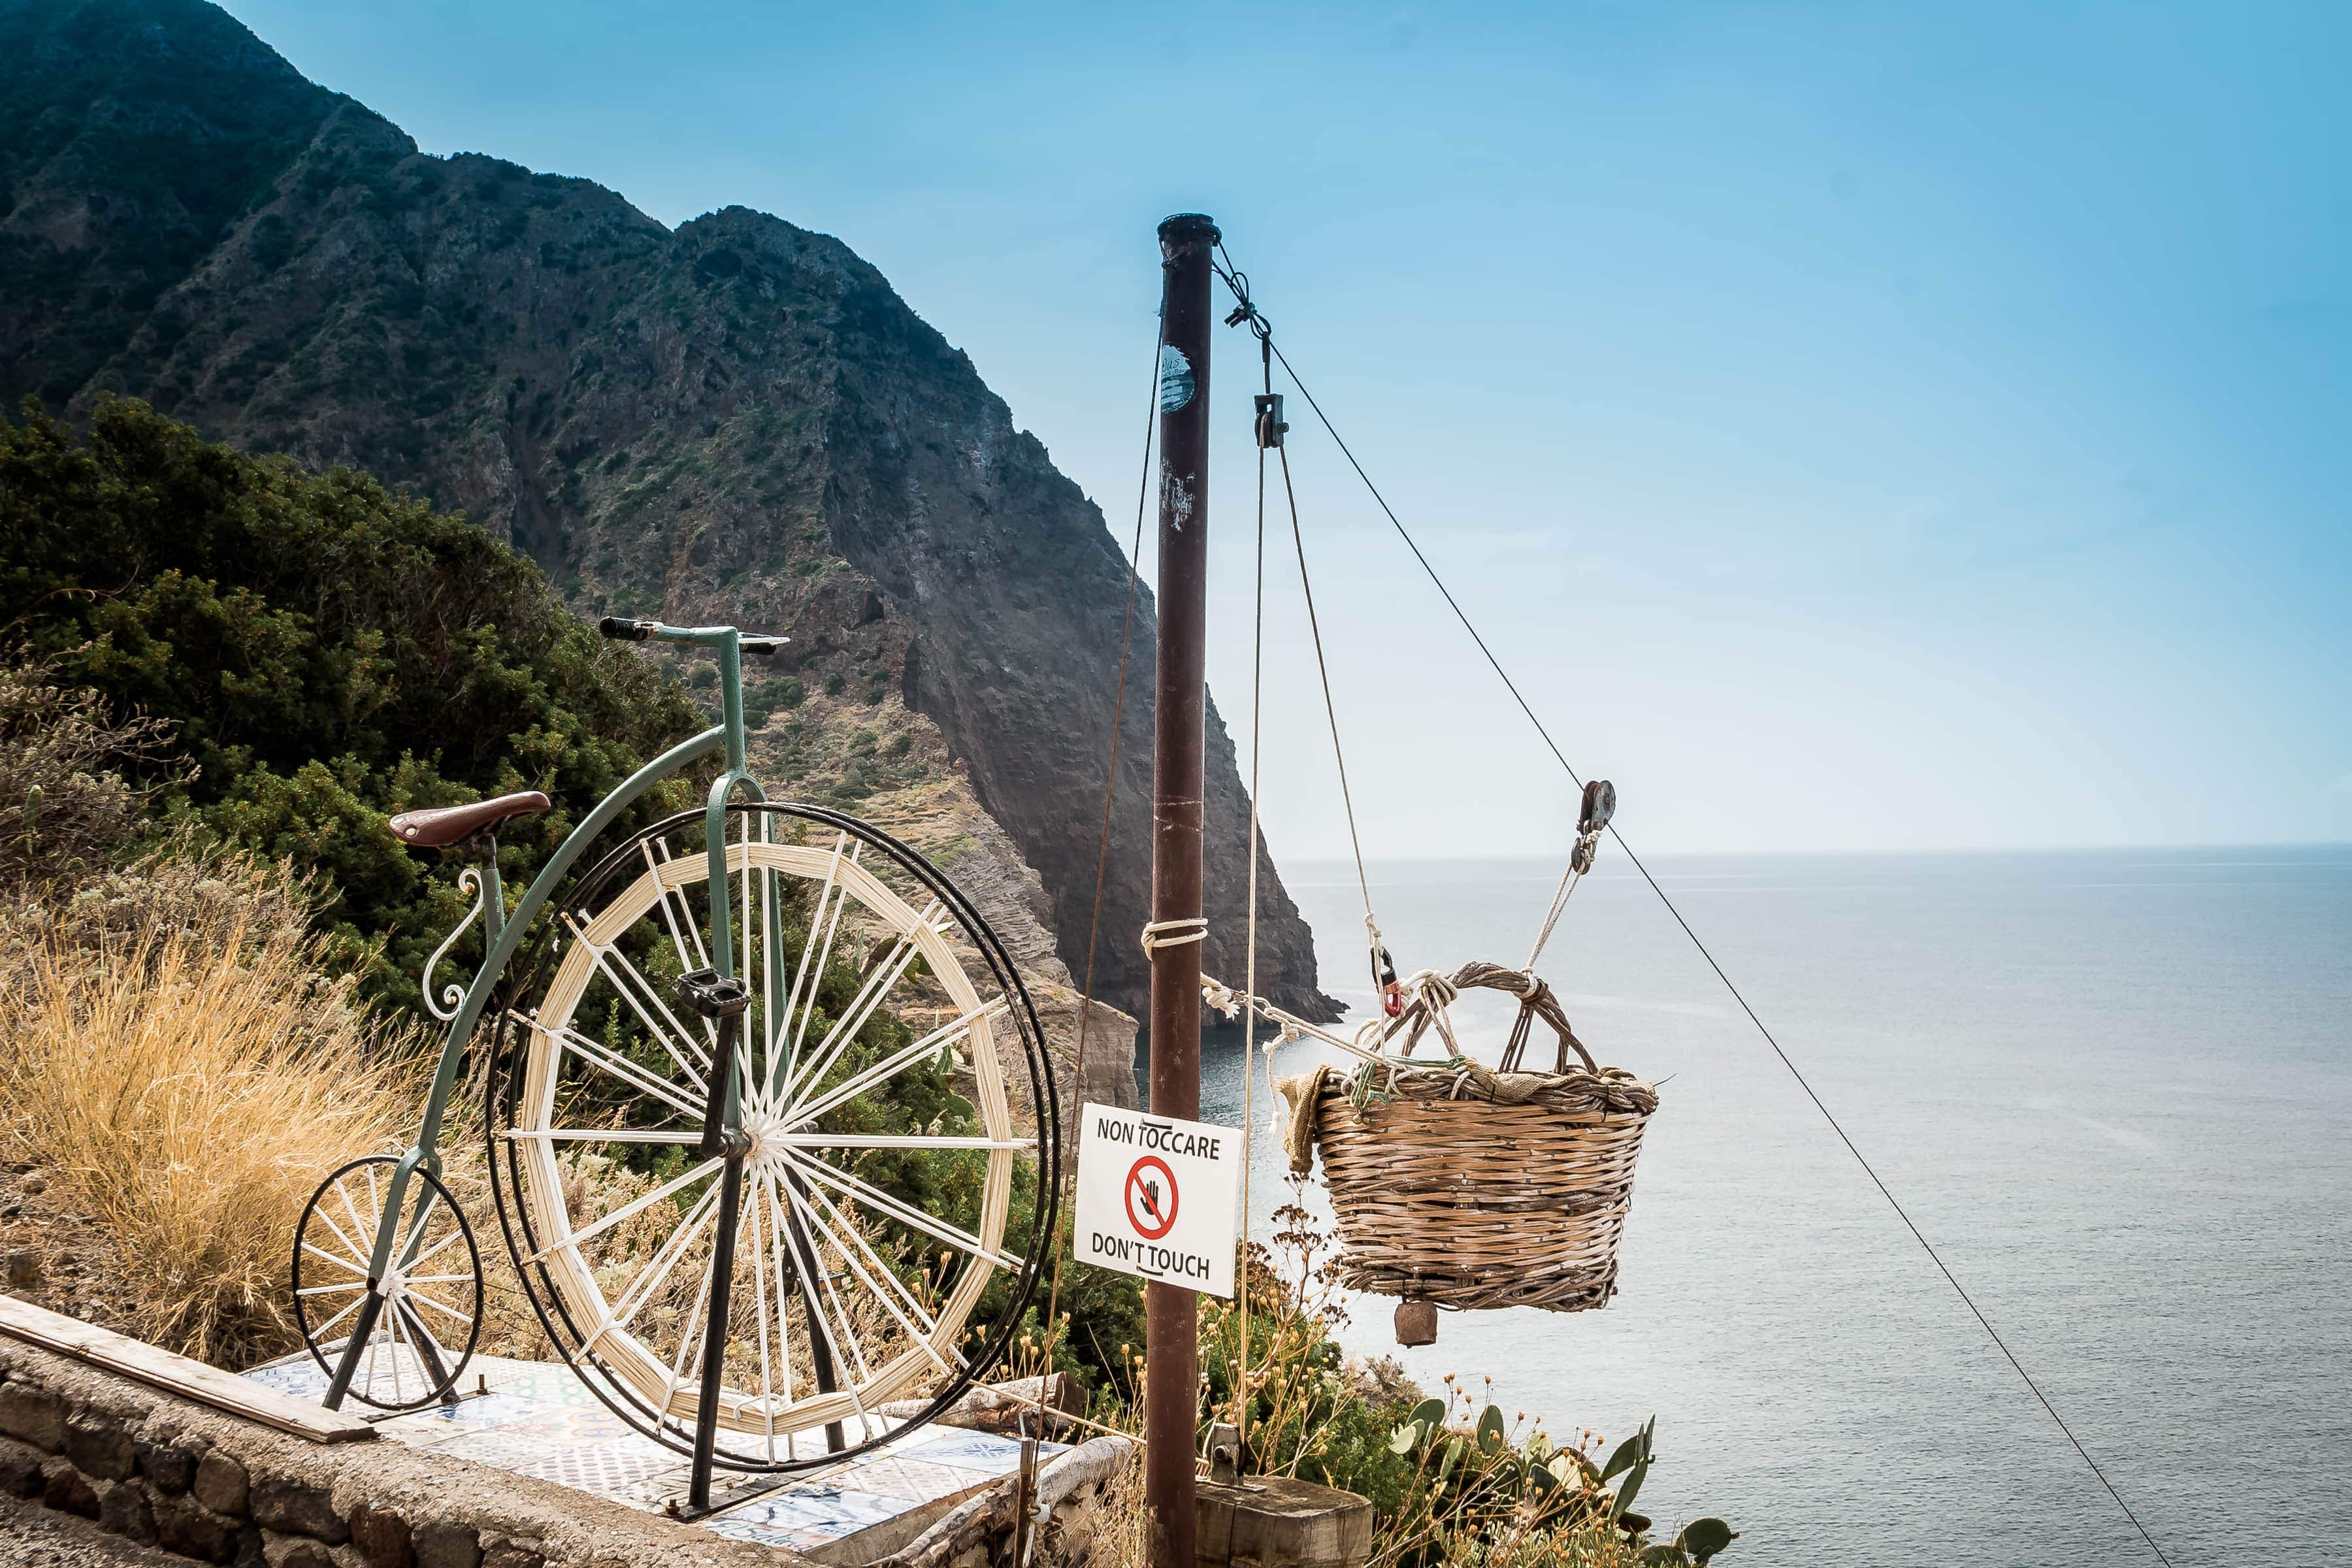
point(1470, 1188)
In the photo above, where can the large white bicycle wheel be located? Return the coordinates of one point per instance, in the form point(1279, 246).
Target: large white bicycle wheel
point(899, 1182)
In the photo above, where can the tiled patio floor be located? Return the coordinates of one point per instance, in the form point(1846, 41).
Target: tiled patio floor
point(539, 1420)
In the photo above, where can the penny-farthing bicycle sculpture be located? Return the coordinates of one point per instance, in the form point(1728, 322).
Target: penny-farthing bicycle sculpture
point(773, 1133)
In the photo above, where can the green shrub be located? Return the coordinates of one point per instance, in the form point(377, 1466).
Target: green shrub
point(324, 651)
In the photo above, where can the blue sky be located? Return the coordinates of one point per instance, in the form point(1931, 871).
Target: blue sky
point(1858, 427)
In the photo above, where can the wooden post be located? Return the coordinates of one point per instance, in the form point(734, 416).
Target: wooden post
point(1171, 1345)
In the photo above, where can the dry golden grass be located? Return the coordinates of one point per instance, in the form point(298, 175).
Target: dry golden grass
point(1123, 1528)
point(65, 805)
point(169, 1057)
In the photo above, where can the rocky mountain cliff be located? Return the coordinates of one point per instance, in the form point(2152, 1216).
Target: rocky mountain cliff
point(733, 420)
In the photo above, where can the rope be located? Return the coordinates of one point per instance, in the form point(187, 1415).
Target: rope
point(1568, 880)
point(1186, 931)
point(1439, 583)
point(1246, 310)
point(1102, 848)
point(1249, 960)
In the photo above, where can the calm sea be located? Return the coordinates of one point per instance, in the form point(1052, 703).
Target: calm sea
point(2112, 1087)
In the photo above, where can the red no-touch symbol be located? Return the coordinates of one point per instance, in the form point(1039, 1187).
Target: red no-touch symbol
point(1151, 1197)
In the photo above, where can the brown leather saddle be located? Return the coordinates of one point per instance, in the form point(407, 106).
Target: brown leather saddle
point(440, 827)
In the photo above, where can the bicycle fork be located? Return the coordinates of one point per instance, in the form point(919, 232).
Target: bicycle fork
point(723, 1000)
point(372, 1305)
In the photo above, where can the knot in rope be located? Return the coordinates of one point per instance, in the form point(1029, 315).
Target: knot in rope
point(1222, 997)
point(1533, 992)
point(1432, 989)
point(1158, 934)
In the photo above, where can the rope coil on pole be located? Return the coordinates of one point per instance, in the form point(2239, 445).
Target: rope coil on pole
point(1158, 934)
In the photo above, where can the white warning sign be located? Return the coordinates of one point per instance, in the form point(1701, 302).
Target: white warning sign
point(1156, 1198)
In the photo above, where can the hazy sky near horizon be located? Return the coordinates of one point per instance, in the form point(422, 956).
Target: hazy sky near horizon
point(1856, 426)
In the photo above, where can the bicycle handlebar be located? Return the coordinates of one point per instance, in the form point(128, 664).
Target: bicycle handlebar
point(623, 630)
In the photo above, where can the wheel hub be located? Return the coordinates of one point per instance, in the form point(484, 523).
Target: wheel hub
point(765, 1154)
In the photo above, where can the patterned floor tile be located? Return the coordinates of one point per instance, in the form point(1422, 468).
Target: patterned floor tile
point(606, 1470)
point(428, 1427)
point(541, 1419)
point(823, 1510)
point(912, 1479)
point(981, 1451)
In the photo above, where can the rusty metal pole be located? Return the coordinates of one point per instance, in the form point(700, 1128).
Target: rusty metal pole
point(1171, 1348)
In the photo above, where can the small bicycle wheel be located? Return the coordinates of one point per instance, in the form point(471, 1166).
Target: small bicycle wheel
point(897, 1189)
point(431, 1315)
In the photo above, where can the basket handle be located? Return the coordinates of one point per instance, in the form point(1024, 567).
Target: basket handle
point(1536, 1000)
point(1432, 993)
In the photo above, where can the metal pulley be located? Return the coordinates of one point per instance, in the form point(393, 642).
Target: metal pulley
point(1600, 805)
point(1270, 426)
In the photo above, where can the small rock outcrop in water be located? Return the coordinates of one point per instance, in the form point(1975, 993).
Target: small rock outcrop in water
point(735, 419)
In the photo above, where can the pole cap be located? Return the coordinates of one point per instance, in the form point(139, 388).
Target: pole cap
point(1183, 231)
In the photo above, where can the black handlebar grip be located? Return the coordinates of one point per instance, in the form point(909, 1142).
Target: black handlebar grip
point(626, 631)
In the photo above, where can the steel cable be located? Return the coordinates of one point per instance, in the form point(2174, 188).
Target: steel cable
point(1238, 283)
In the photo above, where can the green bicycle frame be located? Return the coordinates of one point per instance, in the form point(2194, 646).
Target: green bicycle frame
point(503, 932)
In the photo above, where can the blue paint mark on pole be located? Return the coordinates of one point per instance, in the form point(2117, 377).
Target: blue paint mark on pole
point(1175, 378)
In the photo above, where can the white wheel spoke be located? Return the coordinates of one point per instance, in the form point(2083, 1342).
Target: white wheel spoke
point(321, 1332)
point(636, 990)
point(359, 1226)
point(743, 966)
point(437, 1249)
point(890, 1066)
point(684, 915)
point(842, 1180)
point(808, 945)
point(780, 1259)
point(417, 1329)
point(693, 1322)
point(392, 1319)
point(771, 974)
point(823, 958)
point(438, 1301)
point(665, 1257)
point(331, 1289)
point(897, 1141)
point(870, 991)
point(848, 1233)
point(819, 1292)
point(628, 1210)
point(610, 1134)
point(863, 1373)
point(328, 1220)
point(628, 1072)
point(358, 1268)
point(760, 1298)
point(451, 1312)
point(407, 1258)
point(837, 1039)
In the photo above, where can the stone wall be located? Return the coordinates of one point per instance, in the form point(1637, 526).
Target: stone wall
point(981, 1533)
point(171, 1473)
